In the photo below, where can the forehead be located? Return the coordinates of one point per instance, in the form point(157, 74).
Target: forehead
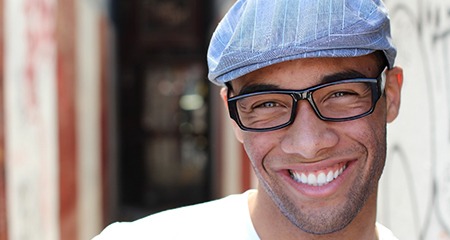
point(303, 73)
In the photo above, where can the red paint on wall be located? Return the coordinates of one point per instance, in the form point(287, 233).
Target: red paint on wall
point(40, 39)
point(104, 124)
point(245, 170)
point(66, 77)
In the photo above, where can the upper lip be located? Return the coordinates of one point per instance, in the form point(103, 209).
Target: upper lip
point(316, 165)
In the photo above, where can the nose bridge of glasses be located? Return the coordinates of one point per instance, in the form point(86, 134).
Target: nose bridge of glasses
point(305, 95)
point(300, 95)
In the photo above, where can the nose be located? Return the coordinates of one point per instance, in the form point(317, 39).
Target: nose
point(308, 135)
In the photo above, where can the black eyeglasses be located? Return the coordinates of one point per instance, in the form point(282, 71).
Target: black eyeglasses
point(343, 100)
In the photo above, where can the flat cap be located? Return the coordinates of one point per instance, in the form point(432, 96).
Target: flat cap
point(257, 33)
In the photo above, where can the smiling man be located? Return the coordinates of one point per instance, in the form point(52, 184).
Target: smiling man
point(310, 86)
point(318, 152)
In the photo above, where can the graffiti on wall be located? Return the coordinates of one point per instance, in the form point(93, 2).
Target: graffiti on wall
point(415, 189)
point(40, 44)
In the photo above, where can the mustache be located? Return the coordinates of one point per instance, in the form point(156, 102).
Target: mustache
point(323, 155)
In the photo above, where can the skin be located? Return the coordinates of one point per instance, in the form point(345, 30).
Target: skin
point(344, 208)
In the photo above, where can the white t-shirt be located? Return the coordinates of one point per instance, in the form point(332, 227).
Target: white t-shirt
point(226, 218)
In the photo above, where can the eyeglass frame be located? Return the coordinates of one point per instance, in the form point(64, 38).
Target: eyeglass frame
point(376, 85)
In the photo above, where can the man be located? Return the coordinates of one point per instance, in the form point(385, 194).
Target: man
point(310, 85)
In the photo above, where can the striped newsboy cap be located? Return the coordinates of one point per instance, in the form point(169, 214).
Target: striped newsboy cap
point(257, 33)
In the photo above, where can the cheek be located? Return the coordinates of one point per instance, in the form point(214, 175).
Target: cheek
point(374, 125)
point(258, 146)
point(373, 140)
point(368, 134)
point(371, 134)
point(376, 158)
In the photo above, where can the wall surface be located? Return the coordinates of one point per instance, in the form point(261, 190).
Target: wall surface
point(415, 190)
point(54, 65)
point(30, 120)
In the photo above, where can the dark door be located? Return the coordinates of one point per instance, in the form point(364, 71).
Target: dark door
point(163, 111)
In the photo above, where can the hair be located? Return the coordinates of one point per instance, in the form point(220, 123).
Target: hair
point(228, 86)
point(381, 59)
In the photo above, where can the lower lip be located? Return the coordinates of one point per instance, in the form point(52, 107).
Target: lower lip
point(323, 191)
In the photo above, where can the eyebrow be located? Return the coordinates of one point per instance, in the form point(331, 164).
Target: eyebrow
point(257, 88)
point(350, 74)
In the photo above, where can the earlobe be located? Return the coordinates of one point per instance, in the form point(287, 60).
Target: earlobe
point(394, 82)
point(236, 129)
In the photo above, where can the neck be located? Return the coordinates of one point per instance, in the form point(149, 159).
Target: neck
point(270, 223)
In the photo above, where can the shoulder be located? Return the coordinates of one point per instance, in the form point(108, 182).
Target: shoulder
point(384, 233)
point(210, 220)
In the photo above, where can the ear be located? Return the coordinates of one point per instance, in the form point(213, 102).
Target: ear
point(394, 82)
point(237, 130)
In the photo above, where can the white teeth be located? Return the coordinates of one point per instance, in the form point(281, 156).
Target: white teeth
point(336, 173)
point(330, 176)
point(303, 178)
point(317, 180)
point(321, 179)
point(312, 180)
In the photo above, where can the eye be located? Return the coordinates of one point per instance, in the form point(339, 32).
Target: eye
point(268, 105)
point(263, 103)
point(342, 94)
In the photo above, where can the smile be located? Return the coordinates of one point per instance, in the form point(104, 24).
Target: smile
point(318, 178)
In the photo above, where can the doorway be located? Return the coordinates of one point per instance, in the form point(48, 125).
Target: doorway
point(163, 110)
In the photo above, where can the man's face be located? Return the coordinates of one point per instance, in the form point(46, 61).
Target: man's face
point(350, 155)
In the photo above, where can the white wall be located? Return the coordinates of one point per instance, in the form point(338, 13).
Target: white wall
point(31, 119)
point(415, 189)
point(88, 116)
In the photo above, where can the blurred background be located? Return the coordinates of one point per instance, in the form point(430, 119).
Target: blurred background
point(106, 114)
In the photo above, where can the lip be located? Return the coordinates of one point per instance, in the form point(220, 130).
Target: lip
point(324, 191)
